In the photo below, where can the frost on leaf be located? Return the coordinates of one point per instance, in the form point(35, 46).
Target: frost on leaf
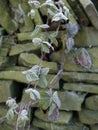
point(70, 43)
point(59, 16)
point(34, 94)
point(53, 113)
point(84, 59)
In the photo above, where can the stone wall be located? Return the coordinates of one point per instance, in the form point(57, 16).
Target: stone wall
point(78, 87)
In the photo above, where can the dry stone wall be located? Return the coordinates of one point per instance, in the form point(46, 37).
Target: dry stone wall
point(78, 87)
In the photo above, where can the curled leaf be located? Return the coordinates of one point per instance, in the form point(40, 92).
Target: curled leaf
point(56, 99)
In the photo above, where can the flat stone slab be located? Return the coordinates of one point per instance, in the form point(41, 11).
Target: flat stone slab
point(87, 37)
point(80, 77)
point(87, 116)
point(28, 60)
point(81, 87)
point(51, 126)
point(70, 66)
point(64, 117)
point(71, 101)
point(19, 77)
point(92, 102)
point(5, 19)
point(90, 11)
point(19, 48)
point(5, 90)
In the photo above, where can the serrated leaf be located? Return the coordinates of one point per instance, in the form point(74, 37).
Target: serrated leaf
point(36, 41)
point(32, 77)
point(70, 43)
point(10, 114)
point(32, 96)
point(84, 59)
point(44, 71)
point(59, 16)
point(44, 101)
point(56, 99)
point(45, 48)
point(42, 81)
point(36, 93)
point(43, 26)
point(53, 113)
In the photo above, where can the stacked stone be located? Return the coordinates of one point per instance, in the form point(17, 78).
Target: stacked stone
point(78, 89)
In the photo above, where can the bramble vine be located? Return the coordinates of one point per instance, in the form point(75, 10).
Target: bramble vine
point(49, 100)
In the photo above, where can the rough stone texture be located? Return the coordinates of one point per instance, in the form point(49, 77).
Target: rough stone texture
point(52, 126)
point(70, 66)
point(64, 117)
point(5, 18)
point(29, 60)
point(19, 77)
point(7, 61)
point(19, 48)
point(71, 101)
point(90, 11)
point(5, 90)
point(94, 127)
point(88, 116)
point(81, 87)
point(80, 77)
point(87, 37)
point(92, 102)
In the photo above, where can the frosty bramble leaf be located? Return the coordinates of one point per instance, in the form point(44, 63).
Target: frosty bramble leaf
point(53, 113)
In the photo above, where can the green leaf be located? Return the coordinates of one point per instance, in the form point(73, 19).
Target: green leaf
point(12, 103)
point(36, 93)
point(32, 96)
point(10, 114)
point(54, 41)
point(56, 99)
point(44, 101)
point(22, 118)
point(42, 81)
point(31, 77)
point(44, 71)
point(45, 48)
point(36, 41)
point(53, 113)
